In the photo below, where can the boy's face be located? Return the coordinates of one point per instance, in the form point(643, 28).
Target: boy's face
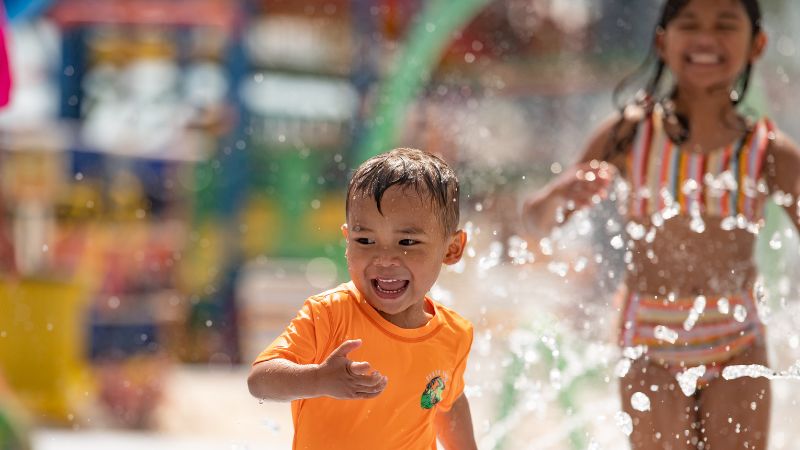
point(394, 258)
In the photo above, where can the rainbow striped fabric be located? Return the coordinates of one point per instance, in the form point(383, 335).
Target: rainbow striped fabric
point(681, 333)
point(726, 182)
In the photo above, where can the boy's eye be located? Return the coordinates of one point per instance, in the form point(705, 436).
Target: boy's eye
point(364, 241)
point(408, 242)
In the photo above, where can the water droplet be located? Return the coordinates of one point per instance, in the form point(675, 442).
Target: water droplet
point(739, 313)
point(624, 422)
point(617, 242)
point(688, 379)
point(640, 402)
point(665, 334)
point(622, 367)
point(635, 230)
point(694, 314)
point(751, 370)
point(634, 352)
point(697, 225)
point(775, 243)
point(728, 223)
point(723, 306)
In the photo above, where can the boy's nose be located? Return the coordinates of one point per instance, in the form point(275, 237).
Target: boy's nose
point(386, 258)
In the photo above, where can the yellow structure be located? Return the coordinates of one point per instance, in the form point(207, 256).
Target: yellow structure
point(43, 346)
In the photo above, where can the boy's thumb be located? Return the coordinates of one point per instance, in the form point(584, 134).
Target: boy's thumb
point(346, 347)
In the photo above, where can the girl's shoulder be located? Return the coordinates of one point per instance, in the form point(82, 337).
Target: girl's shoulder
point(612, 139)
point(781, 145)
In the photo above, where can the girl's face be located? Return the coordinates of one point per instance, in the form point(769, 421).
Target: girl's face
point(709, 43)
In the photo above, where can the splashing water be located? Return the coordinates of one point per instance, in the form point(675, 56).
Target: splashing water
point(728, 223)
point(665, 334)
point(775, 242)
point(759, 371)
point(723, 306)
point(697, 225)
point(622, 367)
point(687, 379)
point(634, 352)
point(624, 422)
point(640, 402)
point(635, 230)
point(697, 309)
point(739, 313)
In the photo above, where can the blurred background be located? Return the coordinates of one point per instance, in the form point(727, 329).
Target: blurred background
point(172, 178)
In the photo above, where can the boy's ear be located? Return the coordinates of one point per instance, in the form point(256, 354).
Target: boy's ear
point(344, 231)
point(458, 242)
point(759, 44)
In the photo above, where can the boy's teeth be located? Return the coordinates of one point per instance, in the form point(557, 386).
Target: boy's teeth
point(390, 284)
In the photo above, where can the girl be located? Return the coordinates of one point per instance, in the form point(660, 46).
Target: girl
point(699, 173)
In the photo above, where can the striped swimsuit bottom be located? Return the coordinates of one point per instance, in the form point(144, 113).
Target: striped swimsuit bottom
point(681, 333)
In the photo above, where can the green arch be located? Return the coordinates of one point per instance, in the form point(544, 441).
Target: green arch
point(428, 36)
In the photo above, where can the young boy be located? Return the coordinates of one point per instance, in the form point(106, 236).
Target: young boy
point(375, 363)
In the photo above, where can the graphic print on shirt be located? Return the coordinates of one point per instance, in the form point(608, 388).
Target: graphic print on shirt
point(437, 382)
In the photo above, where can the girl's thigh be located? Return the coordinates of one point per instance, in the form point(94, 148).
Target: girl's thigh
point(671, 423)
point(735, 413)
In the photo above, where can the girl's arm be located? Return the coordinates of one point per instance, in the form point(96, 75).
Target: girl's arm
point(783, 174)
point(454, 427)
point(575, 188)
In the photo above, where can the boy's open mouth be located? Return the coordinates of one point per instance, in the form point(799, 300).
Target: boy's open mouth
point(389, 288)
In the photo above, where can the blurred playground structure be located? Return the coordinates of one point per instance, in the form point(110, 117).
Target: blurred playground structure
point(171, 187)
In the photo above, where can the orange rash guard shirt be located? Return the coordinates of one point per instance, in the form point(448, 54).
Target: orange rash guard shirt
point(425, 370)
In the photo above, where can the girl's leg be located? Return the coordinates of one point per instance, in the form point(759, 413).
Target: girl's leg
point(735, 413)
point(671, 422)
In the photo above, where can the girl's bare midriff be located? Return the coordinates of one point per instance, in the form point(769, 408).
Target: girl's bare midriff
point(683, 262)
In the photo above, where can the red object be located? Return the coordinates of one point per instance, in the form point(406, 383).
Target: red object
point(216, 13)
point(5, 68)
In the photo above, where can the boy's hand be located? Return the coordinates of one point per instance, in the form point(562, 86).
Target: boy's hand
point(341, 378)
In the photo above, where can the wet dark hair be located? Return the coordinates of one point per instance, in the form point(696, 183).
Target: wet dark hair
point(427, 174)
point(653, 93)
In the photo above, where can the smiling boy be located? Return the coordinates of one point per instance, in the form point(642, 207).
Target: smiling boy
point(375, 363)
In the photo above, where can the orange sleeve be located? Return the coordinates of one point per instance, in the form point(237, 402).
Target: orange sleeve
point(303, 338)
point(457, 383)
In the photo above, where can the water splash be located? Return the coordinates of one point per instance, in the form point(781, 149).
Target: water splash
point(624, 422)
point(640, 402)
point(665, 334)
point(723, 305)
point(687, 379)
point(635, 230)
point(759, 371)
point(622, 367)
point(694, 314)
point(740, 313)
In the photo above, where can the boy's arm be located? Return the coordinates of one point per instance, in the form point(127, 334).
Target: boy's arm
point(454, 427)
point(281, 380)
point(338, 377)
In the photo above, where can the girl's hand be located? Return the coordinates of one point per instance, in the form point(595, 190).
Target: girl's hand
point(585, 184)
point(341, 378)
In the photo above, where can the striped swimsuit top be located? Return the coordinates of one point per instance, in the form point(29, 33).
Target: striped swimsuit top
point(724, 183)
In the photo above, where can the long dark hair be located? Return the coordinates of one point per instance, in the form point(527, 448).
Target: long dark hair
point(653, 91)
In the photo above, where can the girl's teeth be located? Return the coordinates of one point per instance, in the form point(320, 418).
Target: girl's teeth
point(704, 58)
